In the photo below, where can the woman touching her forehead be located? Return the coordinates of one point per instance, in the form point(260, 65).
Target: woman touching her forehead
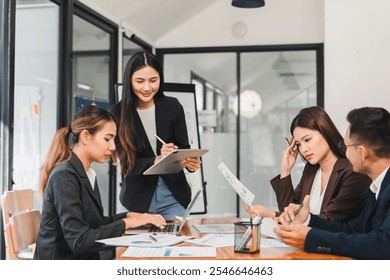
point(336, 192)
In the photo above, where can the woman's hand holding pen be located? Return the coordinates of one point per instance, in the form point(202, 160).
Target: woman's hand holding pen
point(295, 213)
point(166, 149)
point(288, 158)
point(291, 231)
point(192, 164)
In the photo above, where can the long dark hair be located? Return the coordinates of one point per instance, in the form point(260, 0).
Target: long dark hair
point(315, 118)
point(90, 118)
point(128, 106)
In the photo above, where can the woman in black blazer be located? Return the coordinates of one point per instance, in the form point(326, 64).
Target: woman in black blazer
point(72, 211)
point(143, 113)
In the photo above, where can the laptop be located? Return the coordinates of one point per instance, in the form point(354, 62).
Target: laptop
point(169, 228)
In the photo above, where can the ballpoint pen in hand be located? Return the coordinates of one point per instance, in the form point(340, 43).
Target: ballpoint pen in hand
point(289, 143)
point(159, 139)
point(296, 211)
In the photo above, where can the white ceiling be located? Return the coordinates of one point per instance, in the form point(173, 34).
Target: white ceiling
point(153, 18)
point(278, 78)
point(193, 23)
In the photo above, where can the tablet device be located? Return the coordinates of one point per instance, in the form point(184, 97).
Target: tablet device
point(171, 163)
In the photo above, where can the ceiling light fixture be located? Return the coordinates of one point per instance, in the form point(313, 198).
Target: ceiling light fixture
point(248, 3)
point(250, 104)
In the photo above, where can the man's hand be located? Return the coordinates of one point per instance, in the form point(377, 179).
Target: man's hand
point(293, 234)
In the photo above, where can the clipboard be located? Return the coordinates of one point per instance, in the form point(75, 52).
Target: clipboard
point(171, 163)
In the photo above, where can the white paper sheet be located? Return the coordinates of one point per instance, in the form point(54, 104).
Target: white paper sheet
point(169, 252)
point(215, 240)
point(145, 240)
point(267, 227)
point(246, 195)
point(214, 228)
point(272, 243)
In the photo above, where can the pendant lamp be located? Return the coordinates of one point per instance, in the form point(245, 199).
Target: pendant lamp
point(248, 3)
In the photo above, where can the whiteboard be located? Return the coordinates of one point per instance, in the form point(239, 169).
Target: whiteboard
point(185, 93)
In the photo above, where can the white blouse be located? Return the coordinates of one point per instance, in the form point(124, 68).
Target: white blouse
point(316, 197)
point(91, 176)
point(148, 119)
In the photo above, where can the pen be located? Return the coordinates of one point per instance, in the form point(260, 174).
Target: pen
point(296, 212)
point(153, 238)
point(293, 150)
point(159, 139)
point(248, 234)
point(250, 246)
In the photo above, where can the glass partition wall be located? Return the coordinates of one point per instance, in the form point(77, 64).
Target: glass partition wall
point(92, 85)
point(275, 86)
point(36, 89)
point(45, 90)
point(246, 101)
point(199, 69)
point(37, 48)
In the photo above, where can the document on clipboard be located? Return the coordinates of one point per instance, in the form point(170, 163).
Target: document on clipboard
point(246, 195)
point(171, 163)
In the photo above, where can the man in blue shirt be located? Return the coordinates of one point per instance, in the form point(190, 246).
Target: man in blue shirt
point(367, 144)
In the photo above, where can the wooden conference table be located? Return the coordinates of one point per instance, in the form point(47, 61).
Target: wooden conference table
point(227, 253)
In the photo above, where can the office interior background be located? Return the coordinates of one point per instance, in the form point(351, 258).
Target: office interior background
point(273, 61)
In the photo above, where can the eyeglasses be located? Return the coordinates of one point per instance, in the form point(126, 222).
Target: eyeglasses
point(343, 146)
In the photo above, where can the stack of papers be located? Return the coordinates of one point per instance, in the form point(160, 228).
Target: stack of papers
point(272, 243)
point(180, 251)
point(226, 240)
point(145, 240)
point(214, 228)
point(215, 240)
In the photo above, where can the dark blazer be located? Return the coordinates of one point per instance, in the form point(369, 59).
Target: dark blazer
point(72, 216)
point(344, 196)
point(366, 237)
point(137, 189)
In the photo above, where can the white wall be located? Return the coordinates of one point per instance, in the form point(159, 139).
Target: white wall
point(278, 22)
point(357, 56)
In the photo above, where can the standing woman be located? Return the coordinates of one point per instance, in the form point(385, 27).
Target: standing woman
point(72, 211)
point(142, 113)
point(336, 192)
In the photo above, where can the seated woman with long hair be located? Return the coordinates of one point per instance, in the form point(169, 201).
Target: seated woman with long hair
point(72, 211)
point(337, 193)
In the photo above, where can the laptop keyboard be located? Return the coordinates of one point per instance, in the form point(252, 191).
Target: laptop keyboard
point(168, 228)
